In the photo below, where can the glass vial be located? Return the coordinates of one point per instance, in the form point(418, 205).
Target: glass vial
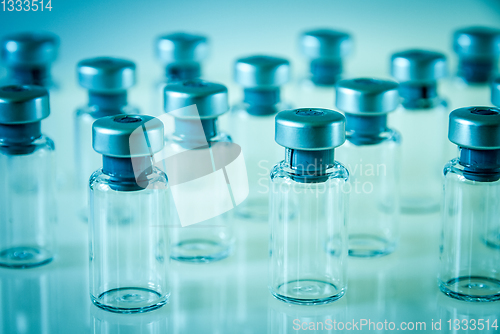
point(202, 228)
point(421, 120)
point(371, 154)
point(128, 248)
point(308, 242)
point(470, 240)
point(252, 122)
point(325, 50)
point(107, 80)
point(27, 179)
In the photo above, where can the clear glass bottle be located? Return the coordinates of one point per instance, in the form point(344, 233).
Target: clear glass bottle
point(308, 219)
point(421, 120)
point(252, 121)
point(107, 80)
point(27, 179)
point(371, 154)
point(470, 241)
point(129, 214)
point(202, 229)
point(326, 50)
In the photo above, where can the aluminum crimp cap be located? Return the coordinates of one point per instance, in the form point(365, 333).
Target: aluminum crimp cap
point(106, 74)
point(23, 104)
point(418, 65)
point(477, 42)
point(181, 47)
point(126, 136)
point(495, 92)
point(261, 71)
point(210, 98)
point(310, 129)
point(367, 96)
point(475, 128)
point(30, 49)
point(325, 44)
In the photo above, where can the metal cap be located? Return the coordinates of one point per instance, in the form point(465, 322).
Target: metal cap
point(30, 49)
point(495, 92)
point(124, 136)
point(418, 65)
point(106, 74)
point(477, 42)
point(367, 96)
point(23, 104)
point(310, 129)
point(261, 71)
point(475, 127)
point(181, 47)
point(325, 44)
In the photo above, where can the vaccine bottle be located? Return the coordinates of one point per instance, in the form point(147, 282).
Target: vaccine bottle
point(325, 51)
point(27, 179)
point(107, 80)
point(421, 120)
point(202, 230)
point(470, 241)
point(371, 154)
point(128, 238)
point(252, 122)
point(308, 218)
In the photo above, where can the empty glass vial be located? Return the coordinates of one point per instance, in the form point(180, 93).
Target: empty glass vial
point(107, 80)
point(27, 179)
point(308, 243)
point(252, 122)
point(421, 120)
point(326, 50)
point(128, 248)
point(193, 157)
point(470, 244)
point(371, 154)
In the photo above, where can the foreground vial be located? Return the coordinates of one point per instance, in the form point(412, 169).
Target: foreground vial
point(470, 244)
point(308, 244)
point(107, 80)
point(128, 247)
point(195, 106)
point(421, 120)
point(253, 125)
point(27, 179)
point(371, 153)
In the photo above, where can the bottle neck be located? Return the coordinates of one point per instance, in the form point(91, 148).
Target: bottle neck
point(182, 71)
point(123, 176)
point(476, 70)
point(418, 95)
point(261, 101)
point(325, 72)
point(39, 76)
point(480, 165)
point(309, 166)
point(365, 130)
point(108, 102)
point(17, 139)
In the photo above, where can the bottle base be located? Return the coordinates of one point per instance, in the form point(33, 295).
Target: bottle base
point(419, 205)
point(307, 292)
point(365, 245)
point(492, 238)
point(129, 300)
point(199, 251)
point(254, 209)
point(472, 288)
point(24, 257)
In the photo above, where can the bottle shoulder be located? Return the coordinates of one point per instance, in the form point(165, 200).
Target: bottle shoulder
point(283, 171)
point(41, 145)
point(389, 137)
point(157, 179)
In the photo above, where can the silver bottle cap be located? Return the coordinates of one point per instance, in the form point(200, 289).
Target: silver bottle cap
point(366, 95)
point(29, 49)
point(475, 128)
point(261, 71)
point(124, 136)
point(106, 74)
point(23, 104)
point(210, 99)
point(325, 44)
point(181, 47)
point(418, 65)
point(477, 42)
point(495, 92)
point(310, 129)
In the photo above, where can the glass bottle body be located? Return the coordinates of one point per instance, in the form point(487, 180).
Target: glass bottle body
point(308, 241)
point(470, 240)
point(27, 203)
point(128, 251)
